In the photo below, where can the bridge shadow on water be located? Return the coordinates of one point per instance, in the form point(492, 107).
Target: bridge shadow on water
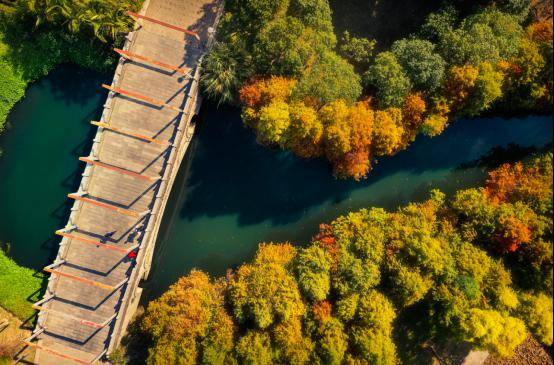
point(231, 174)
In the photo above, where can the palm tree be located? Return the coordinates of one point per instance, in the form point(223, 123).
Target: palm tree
point(220, 80)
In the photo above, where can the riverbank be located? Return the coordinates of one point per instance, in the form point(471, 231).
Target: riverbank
point(19, 287)
point(221, 210)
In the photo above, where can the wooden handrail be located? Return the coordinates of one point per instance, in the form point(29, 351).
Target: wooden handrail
point(131, 56)
point(162, 23)
point(129, 133)
point(96, 243)
point(119, 169)
point(105, 205)
point(56, 353)
point(138, 96)
point(80, 279)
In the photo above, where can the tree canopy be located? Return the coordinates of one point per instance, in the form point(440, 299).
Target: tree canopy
point(341, 298)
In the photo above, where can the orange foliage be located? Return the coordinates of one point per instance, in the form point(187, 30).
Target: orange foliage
point(516, 182)
point(459, 84)
point(412, 111)
point(540, 31)
point(361, 123)
point(354, 164)
point(511, 234)
point(260, 91)
point(322, 311)
point(541, 10)
point(251, 95)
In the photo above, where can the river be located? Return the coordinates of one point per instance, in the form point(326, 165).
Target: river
point(231, 193)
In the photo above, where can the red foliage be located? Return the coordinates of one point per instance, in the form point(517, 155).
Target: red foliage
point(328, 242)
point(251, 94)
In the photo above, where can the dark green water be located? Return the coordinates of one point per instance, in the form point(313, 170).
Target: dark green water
point(231, 194)
point(50, 129)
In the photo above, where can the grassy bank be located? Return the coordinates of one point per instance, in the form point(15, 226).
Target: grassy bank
point(19, 286)
point(25, 62)
point(34, 39)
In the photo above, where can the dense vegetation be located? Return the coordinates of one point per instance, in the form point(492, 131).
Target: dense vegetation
point(302, 90)
point(475, 268)
point(19, 286)
point(36, 35)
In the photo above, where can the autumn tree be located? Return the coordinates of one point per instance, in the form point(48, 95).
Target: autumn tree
point(189, 320)
point(536, 311)
point(265, 292)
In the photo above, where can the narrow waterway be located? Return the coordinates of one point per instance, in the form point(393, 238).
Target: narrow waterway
point(48, 130)
point(231, 193)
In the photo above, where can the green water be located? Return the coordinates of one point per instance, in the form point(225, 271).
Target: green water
point(49, 129)
point(231, 193)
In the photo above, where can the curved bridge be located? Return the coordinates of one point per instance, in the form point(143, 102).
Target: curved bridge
point(107, 245)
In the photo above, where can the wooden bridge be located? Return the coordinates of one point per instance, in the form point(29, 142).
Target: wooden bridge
point(107, 245)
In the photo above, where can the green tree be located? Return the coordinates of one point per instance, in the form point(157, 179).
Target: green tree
point(487, 36)
point(313, 266)
point(358, 51)
point(254, 348)
point(315, 14)
point(329, 78)
point(250, 15)
point(264, 293)
point(281, 47)
point(488, 89)
point(389, 79)
point(223, 73)
point(422, 64)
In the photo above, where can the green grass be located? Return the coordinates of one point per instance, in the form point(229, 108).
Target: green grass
point(19, 287)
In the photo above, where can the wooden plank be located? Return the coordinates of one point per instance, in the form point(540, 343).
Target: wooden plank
point(164, 24)
point(96, 243)
point(129, 133)
point(80, 279)
point(134, 56)
point(105, 205)
point(141, 97)
point(63, 314)
point(119, 169)
point(56, 353)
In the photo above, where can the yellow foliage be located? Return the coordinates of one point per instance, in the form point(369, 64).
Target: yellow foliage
point(460, 83)
point(274, 120)
point(434, 125)
point(335, 117)
point(270, 253)
point(387, 131)
point(306, 131)
point(493, 331)
point(508, 298)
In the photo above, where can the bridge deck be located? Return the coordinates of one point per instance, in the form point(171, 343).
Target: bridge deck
point(85, 286)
